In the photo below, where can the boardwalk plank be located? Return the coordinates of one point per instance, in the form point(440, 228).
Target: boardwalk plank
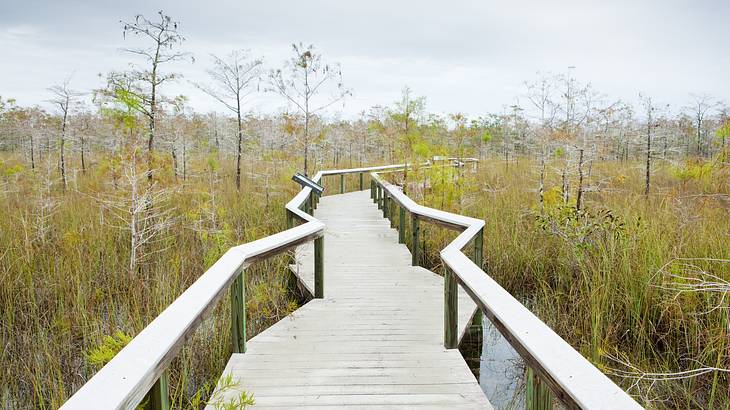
point(375, 341)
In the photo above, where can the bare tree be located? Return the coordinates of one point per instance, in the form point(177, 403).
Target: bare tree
point(540, 94)
point(85, 125)
point(301, 80)
point(650, 125)
point(581, 176)
point(133, 211)
point(63, 98)
point(701, 104)
point(234, 79)
point(164, 37)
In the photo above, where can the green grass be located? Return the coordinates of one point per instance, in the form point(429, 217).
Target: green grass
point(601, 279)
point(597, 278)
point(67, 297)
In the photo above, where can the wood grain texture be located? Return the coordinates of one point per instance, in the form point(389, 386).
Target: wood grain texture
point(376, 339)
point(571, 377)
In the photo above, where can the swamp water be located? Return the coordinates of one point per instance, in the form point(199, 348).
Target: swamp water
point(497, 366)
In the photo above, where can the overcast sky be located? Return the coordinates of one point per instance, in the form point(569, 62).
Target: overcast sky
point(464, 56)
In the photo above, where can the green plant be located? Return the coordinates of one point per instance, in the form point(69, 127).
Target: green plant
point(100, 355)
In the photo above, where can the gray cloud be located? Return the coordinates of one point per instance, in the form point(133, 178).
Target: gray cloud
point(467, 56)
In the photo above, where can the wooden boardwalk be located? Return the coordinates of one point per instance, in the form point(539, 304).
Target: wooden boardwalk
point(375, 340)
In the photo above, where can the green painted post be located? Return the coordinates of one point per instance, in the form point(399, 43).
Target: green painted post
point(390, 212)
point(402, 225)
point(478, 246)
point(158, 397)
point(393, 206)
point(319, 267)
point(311, 204)
point(414, 239)
point(372, 190)
point(308, 205)
point(238, 314)
point(361, 184)
point(385, 205)
point(380, 197)
point(538, 396)
point(342, 183)
point(451, 310)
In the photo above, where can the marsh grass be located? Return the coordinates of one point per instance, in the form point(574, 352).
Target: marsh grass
point(65, 283)
point(599, 279)
point(596, 278)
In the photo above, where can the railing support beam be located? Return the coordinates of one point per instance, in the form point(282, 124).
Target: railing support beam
point(361, 182)
point(415, 228)
point(319, 267)
point(158, 397)
point(289, 219)
point(451, 310)
point(342, 183)
point(538, 396)
point(238, 314)
point(402, 225)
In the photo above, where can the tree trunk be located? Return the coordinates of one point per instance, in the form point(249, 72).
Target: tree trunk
point(240, 141)
point(566, 187)
point(185, 163)
point(306, 143)
point(32, 153)
point(63, 143)
point(647, 181)
point(173, 152)
point(83, 161)
point(579, 196)
point(153, 112)
point(542, 184)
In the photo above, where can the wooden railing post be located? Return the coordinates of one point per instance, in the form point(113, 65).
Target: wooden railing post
point(238, 314)
point(319, 267)
point(289, 219)
point(538, 396)
point(342, 183)
point(380, 197)
point(361, 184)
point(385, 205)
point(402, 225)
point(372, 190)
point(158, 397)
point(391, 212)
point(414, 239)
point(451, 310)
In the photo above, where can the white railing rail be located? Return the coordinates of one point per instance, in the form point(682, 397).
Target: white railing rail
point(572, 378)
point(138, 370)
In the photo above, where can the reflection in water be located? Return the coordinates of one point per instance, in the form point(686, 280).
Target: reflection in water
point(497, 365)
point(501, 370)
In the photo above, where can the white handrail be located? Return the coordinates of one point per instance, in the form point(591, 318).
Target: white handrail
point(573, 379)
point(127, 378)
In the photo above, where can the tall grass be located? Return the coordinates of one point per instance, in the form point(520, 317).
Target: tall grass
point(65, 282)
point(603, 280)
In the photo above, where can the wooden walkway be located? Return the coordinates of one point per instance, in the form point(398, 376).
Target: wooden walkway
point(375, 340)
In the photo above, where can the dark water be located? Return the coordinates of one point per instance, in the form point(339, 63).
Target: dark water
point(500, 370)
